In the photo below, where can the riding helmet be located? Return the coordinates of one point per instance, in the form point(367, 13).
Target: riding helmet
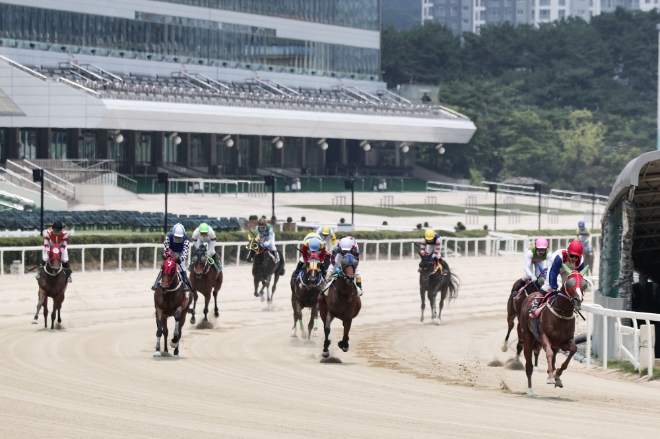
point(429, 235)
point(178, 230)
point(325, 231)
point(346, 243)
point(203, 228)
point(541, 244)
point(314, 245)
point(575, 248)
point(581, 224)
point(262, 221)
point(57, 225)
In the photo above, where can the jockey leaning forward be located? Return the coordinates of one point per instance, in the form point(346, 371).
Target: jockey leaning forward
point(536, 258)
point(178, 245)
point(56, 235)
point(345, 246)
point(584, 236)
point(573, 258)
point(431, 244)
point(328, 236)
point(204, 235)
point(313, 243)
point(267, 239)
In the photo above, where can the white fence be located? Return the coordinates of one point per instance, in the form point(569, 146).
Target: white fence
point(634, 356)
point(452, 247)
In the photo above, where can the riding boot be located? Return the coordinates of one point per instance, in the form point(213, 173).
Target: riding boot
point(41, 269)
point(277, 256)
point(67, 271)
point(218, 267)
point(358, 282)
point(155, 285)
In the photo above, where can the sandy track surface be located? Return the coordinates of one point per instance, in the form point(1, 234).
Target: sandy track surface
point(247, 378)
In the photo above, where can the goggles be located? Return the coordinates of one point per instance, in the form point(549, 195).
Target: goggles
point(178, 239)
point(573, 256)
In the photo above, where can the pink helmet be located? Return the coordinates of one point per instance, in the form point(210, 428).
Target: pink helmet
point(541, 243)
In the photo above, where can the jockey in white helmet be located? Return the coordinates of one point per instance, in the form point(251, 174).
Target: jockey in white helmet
point(346, 245)
point(178, 244)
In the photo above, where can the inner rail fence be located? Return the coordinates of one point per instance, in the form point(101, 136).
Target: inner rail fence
point(620, 330)
point(124, 257)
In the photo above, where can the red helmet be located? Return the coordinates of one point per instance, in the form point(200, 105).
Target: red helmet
point(575, 248)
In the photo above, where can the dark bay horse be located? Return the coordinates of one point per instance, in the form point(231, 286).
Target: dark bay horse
point(305, 294)
point(340, 301)
point(170, 301)
point(52, 283)
point(431, 282)
point(205, 278)
point(263, 268)
point(555, 327)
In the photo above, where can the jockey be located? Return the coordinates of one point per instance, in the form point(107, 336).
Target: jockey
point(346, 245)
point(179, 245)
point(313, 243)
point(56, 235)
point(572, 258)
point(584, 236)
point(431, 244)
point(328, 235)
point(267, 239)
point(204, 235)
point(534, 259)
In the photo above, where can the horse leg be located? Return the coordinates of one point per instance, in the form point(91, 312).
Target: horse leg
point(45, 303)
point(40, 296)
point(435, 318)
point(571, 347)
point(269, 295)
point(163, 322)
point(297, 315)
point(550, 355)
point(59, 318)
point(179, 328)
point(441, 302)
point(175, 339)
point(326, 328)
point(529, 369)
point(57, 306)
point(207, 300)
point(510, 318)
point(343, 344)
point(159, 332)
point(218, 285)
point(194, 305)
point(315, 316)
point(311, 326)
point(423, 296)
point(277, 277)
point(536, 358)
point(256, 287)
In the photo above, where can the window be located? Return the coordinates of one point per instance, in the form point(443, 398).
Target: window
point(466, 8)
point(562, 3)
point(544, 2)
point(521, 12)
point(88, 150)
point(507, 2)
point(482, 15)
point(454, 10)
point(58, 142)
point(494, 13)
point(144, 150)
point(619, 2)
point(648, 1)
point(170, 151)
point(466, 21)
point(508, 13)
point(494, 3)
point(544, 14)
point(28, 141)
point(580, 11)
point(533, 14)
point(591, 3)
point(561, 13)
point(441, 11)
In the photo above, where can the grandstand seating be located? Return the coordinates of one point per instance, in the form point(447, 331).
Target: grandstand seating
point(115, 220)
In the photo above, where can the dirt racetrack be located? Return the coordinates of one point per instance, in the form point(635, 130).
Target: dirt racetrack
point(247, 378)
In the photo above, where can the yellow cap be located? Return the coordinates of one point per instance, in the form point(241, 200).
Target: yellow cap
point(326, 230)
point(429, 235)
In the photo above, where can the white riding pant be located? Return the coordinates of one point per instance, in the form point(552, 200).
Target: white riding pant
point(64, 252)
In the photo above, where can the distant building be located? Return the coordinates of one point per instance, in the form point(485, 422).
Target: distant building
point(469, 15)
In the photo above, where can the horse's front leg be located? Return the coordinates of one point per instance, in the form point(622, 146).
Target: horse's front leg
point(423, 297)
point(550, 355)
point(268, 293)
point(256, 287)
point(177, 331)
point(343, 344)
point(216, 289)
point(297, 315)
point(45, 304)
point(194, 305)
point(207, 300)
point(326, 328)
point(571, 347)
point(312, 322)
point(163, 323)
point(441, 302)
point(40, 301)
point(434, 313)
point(510, 319)
point(159, 331)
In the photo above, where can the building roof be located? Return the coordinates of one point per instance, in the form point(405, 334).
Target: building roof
point(9, 107)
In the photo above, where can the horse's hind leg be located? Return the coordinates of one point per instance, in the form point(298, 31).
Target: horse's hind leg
point(207, 299)
point(536, 358)
point(421, 294)
point(528, 364)
point(192, 310)
point(550, 355)
point(277, 277)
point(218, 285)
point(343, 344)
point(45, 303)
point(297, 316)
point(441, 303)
point(175, 339)
point(510, 319)
point(435, 318)
point(39, 305)
point(312, 322)
point(159, 333)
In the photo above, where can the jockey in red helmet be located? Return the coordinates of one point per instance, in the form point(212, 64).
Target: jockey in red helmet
point(572, 257)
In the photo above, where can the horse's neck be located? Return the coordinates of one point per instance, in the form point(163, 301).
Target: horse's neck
point(561, 302)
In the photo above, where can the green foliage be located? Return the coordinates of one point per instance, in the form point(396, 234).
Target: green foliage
point(569, 102)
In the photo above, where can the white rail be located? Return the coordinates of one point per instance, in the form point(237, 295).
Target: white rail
point(633, 357)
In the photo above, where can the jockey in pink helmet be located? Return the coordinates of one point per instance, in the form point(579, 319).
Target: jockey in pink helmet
point(537, 257)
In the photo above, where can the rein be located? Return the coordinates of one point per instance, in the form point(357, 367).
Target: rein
point(54, 274)
point(555, 313)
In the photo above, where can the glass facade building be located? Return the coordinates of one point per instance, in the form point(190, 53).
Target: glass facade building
point(173, 39)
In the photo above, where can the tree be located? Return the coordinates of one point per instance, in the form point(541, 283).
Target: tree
point(581, 139)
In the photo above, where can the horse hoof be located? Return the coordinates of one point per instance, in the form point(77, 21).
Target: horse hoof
point(505, 347)
point(550, 381)
point(530, 392)
point(294, 334)
point(325, 354)
point(316, 332)
point(175, 357)
point(558, 383)
point(157, 354)
point(536, 368)
point(256, 294)
point(438, 322)
point(192, 320)
point(174, 344)
point(217, 314)
point(263, 298)
point(34, 322)
point(421, 323)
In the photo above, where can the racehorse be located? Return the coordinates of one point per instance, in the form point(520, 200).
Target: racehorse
point(430, 282)
point(305, 294)
point(341, 301)
point(170, 301)
point(263, 267)
point(52, 283)
point(555, 327)
point(204, 277)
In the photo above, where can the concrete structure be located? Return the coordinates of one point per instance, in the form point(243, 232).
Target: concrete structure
point(200, 88)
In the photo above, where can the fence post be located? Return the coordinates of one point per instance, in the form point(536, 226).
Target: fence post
point(119, 261)
point(389, 250)
point(2, 263)
point(155, 252)
point(102, 259)
point(604, 342)
point(137, 259)
point(588, 352)
point(82, 268)
point(377, 250)
point(283, 253)
point(400, 250)
point(222, 258)
point(650, 348)
point(238, 254)
point(412, 250)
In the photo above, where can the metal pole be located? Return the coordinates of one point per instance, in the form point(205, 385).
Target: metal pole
point(273, 195)
point(495, 226)
point(658, 134)
point(167, 190)
point(353, 203)
point(593, 208)
point(539, 207)
point(42, 203)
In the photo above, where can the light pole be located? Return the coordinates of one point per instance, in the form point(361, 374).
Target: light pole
point(537, 187)
point(592, 191)
point(38, 175)
point(658, 133)
point(350, 184)
point(493, 189)
point(270, 181)
point(163, 178)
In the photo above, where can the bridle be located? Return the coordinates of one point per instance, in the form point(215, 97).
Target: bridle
point(54, 251)
point(199, 254)
point(313, 265)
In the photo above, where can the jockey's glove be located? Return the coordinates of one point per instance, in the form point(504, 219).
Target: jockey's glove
point(534, 278)
point(547, 288)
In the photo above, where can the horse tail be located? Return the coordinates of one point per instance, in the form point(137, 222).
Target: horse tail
point(280, 269)
point(451, 285)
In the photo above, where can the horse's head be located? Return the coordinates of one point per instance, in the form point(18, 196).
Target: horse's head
point(348, 265)
point(55, 256)
point(253, 247)
point(426, 266)
point(575, 285)
point(199, 260)
point(169, 272)
point(313, 268)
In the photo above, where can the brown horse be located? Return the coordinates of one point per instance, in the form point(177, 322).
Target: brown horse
point(555, 327)
point(341, 301)
point(170, 301)
point(204, 277)
point(305, 294)
point(52, 283)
